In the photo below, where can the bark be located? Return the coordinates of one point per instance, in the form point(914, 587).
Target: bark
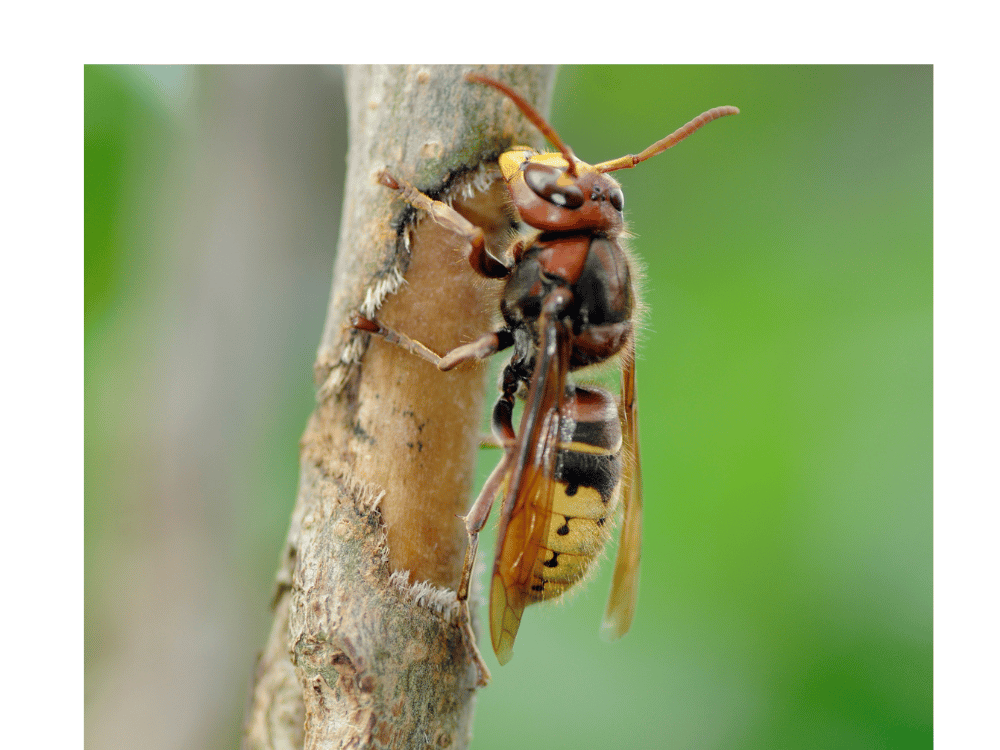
point(367, 647)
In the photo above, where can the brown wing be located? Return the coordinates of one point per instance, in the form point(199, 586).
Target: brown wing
point(527, 504)
point(625, 584)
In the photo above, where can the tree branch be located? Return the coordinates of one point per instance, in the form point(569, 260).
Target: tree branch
point(367, 648)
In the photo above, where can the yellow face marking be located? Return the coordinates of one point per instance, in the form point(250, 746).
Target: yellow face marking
point(511, 161)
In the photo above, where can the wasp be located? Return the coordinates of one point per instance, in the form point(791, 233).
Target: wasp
point(568, 302)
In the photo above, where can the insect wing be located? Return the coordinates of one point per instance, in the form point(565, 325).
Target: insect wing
point(527, 504)
point(625, 583)
point(522, 535)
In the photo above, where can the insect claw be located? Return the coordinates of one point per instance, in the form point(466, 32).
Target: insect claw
point(364, 324)
point(387, 179)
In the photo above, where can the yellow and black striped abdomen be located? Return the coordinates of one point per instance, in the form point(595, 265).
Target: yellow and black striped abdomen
point(588, 478)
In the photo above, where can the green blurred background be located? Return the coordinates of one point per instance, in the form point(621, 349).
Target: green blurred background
point(785, 391)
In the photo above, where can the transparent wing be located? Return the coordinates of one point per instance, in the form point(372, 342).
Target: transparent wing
point(625, 584)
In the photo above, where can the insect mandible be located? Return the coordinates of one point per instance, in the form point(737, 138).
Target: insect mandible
point(568, 302)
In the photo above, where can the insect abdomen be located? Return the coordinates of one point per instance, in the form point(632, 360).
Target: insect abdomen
point(588, 477)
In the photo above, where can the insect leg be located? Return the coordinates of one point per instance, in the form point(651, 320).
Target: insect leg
point(395, 337)
point(489, 441)
point(478, 514)
point(483, 347)
point(476, 518)
point(481, 260)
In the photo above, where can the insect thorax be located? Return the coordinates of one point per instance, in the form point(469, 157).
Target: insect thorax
point(595, 270)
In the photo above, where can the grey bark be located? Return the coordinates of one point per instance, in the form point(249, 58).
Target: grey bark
point(368, 649)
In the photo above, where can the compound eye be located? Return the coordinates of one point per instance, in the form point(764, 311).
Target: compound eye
point(617, 198)
point(543, 179)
